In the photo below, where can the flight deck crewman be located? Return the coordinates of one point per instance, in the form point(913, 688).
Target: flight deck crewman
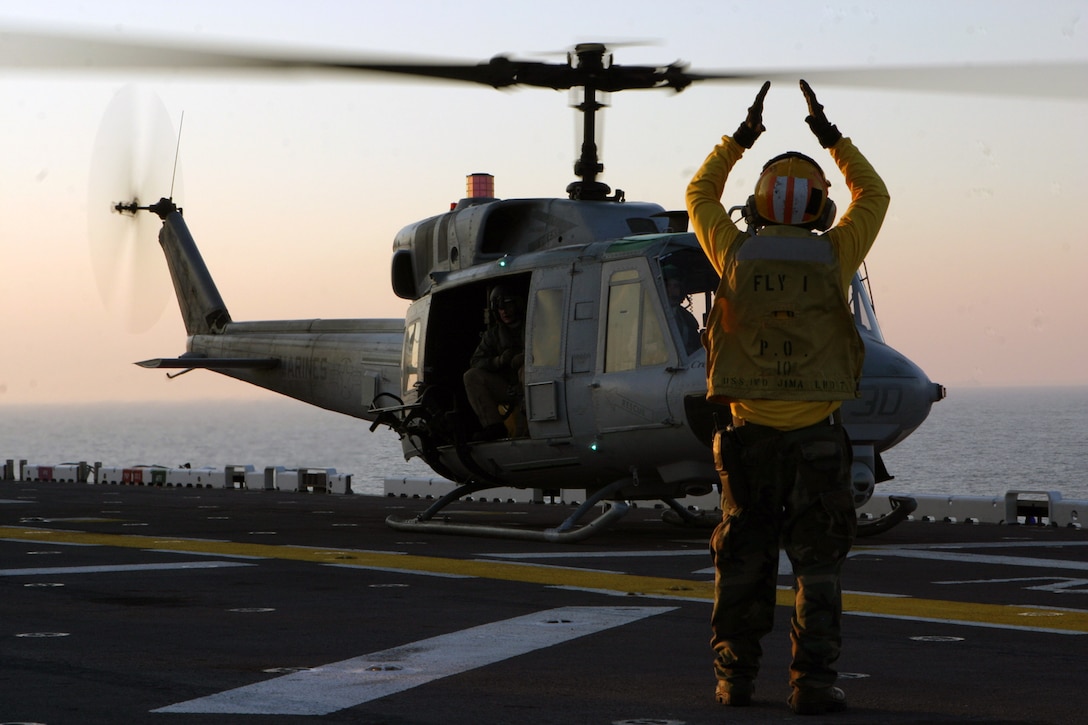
point(783, 352)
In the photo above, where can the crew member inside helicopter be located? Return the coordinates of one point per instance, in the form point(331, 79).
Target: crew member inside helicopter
point(496, 375)
point(685, 320)
point(783, 351)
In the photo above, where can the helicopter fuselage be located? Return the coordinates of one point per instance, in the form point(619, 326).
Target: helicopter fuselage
point(612, 397)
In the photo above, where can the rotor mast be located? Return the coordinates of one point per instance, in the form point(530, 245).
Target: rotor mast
point(588, 165)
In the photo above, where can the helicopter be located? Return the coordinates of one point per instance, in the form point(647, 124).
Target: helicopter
point(613, 401)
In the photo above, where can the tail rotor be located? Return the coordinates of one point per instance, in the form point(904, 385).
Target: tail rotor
point(133, 162)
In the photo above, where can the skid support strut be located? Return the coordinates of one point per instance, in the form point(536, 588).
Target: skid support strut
point(567, 532)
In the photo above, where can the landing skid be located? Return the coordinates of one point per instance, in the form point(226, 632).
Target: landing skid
point(570, 531)
point(678, 515)
point(567, 532)
point(902, 507)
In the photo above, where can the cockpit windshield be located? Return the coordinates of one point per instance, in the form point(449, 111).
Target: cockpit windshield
point(861, 305)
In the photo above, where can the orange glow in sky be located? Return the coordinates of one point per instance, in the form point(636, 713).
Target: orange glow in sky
point(294, 186)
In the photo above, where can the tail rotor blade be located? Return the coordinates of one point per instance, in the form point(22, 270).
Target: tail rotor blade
point(133, 160)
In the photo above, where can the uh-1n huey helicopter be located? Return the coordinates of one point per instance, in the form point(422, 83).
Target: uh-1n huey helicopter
point(613, 400)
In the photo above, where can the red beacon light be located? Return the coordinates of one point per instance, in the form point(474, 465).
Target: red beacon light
point(478, 187)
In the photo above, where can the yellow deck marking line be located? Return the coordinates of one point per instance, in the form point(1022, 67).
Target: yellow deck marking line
point(370, 559)
point(973, 613)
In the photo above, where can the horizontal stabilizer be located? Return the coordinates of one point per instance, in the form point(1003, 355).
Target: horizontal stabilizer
point(210, 362)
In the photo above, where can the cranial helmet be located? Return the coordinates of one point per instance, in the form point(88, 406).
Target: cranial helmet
point(792, 190)
point(501, 297)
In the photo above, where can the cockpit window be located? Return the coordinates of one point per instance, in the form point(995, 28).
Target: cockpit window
point(690, 282)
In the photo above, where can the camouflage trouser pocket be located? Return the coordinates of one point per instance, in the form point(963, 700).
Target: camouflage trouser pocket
point(824, 531)
point(824, 464)
point(842, 522)
point(826, 523)
point(735, 494)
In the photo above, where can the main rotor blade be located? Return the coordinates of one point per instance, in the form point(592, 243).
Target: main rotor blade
point(48, 50)
point(51, 51)
point(1042, 79)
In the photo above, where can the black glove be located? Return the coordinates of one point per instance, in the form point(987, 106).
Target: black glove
point(503, 360)
point(826, 133)
point(749, 131)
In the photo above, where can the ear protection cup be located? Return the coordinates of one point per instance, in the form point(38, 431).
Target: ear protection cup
point(827, 218)
point(751, 217)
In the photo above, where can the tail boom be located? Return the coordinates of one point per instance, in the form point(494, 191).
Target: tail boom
point(341, 365)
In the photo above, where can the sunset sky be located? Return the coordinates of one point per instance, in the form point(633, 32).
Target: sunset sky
point(294, 185)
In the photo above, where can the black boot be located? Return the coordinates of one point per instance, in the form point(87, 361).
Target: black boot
point(816, 700)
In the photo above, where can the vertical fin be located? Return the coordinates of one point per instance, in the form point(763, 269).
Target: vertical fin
point(202, 309)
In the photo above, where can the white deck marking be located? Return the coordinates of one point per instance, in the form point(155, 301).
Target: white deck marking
point(110, 569)
point(1034, 563)
point(525, 556)
point(962, 623)
point(352, 682)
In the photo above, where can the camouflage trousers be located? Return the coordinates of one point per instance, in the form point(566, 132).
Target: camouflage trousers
point(790, 490)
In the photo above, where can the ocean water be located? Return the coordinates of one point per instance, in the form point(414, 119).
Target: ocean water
point(986, 441)
point(272, 432)
point(978, 441)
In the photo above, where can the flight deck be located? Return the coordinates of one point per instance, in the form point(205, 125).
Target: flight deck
point(142, 604)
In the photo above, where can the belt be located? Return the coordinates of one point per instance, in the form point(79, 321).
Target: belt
point(741, 422)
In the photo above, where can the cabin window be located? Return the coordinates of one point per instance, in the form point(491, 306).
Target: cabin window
point(634, 335)
point(547, 327)
point(413, 349)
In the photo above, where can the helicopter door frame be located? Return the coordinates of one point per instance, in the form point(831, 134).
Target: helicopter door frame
point(636, 351)
point(413, 348)
point(545, 354)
